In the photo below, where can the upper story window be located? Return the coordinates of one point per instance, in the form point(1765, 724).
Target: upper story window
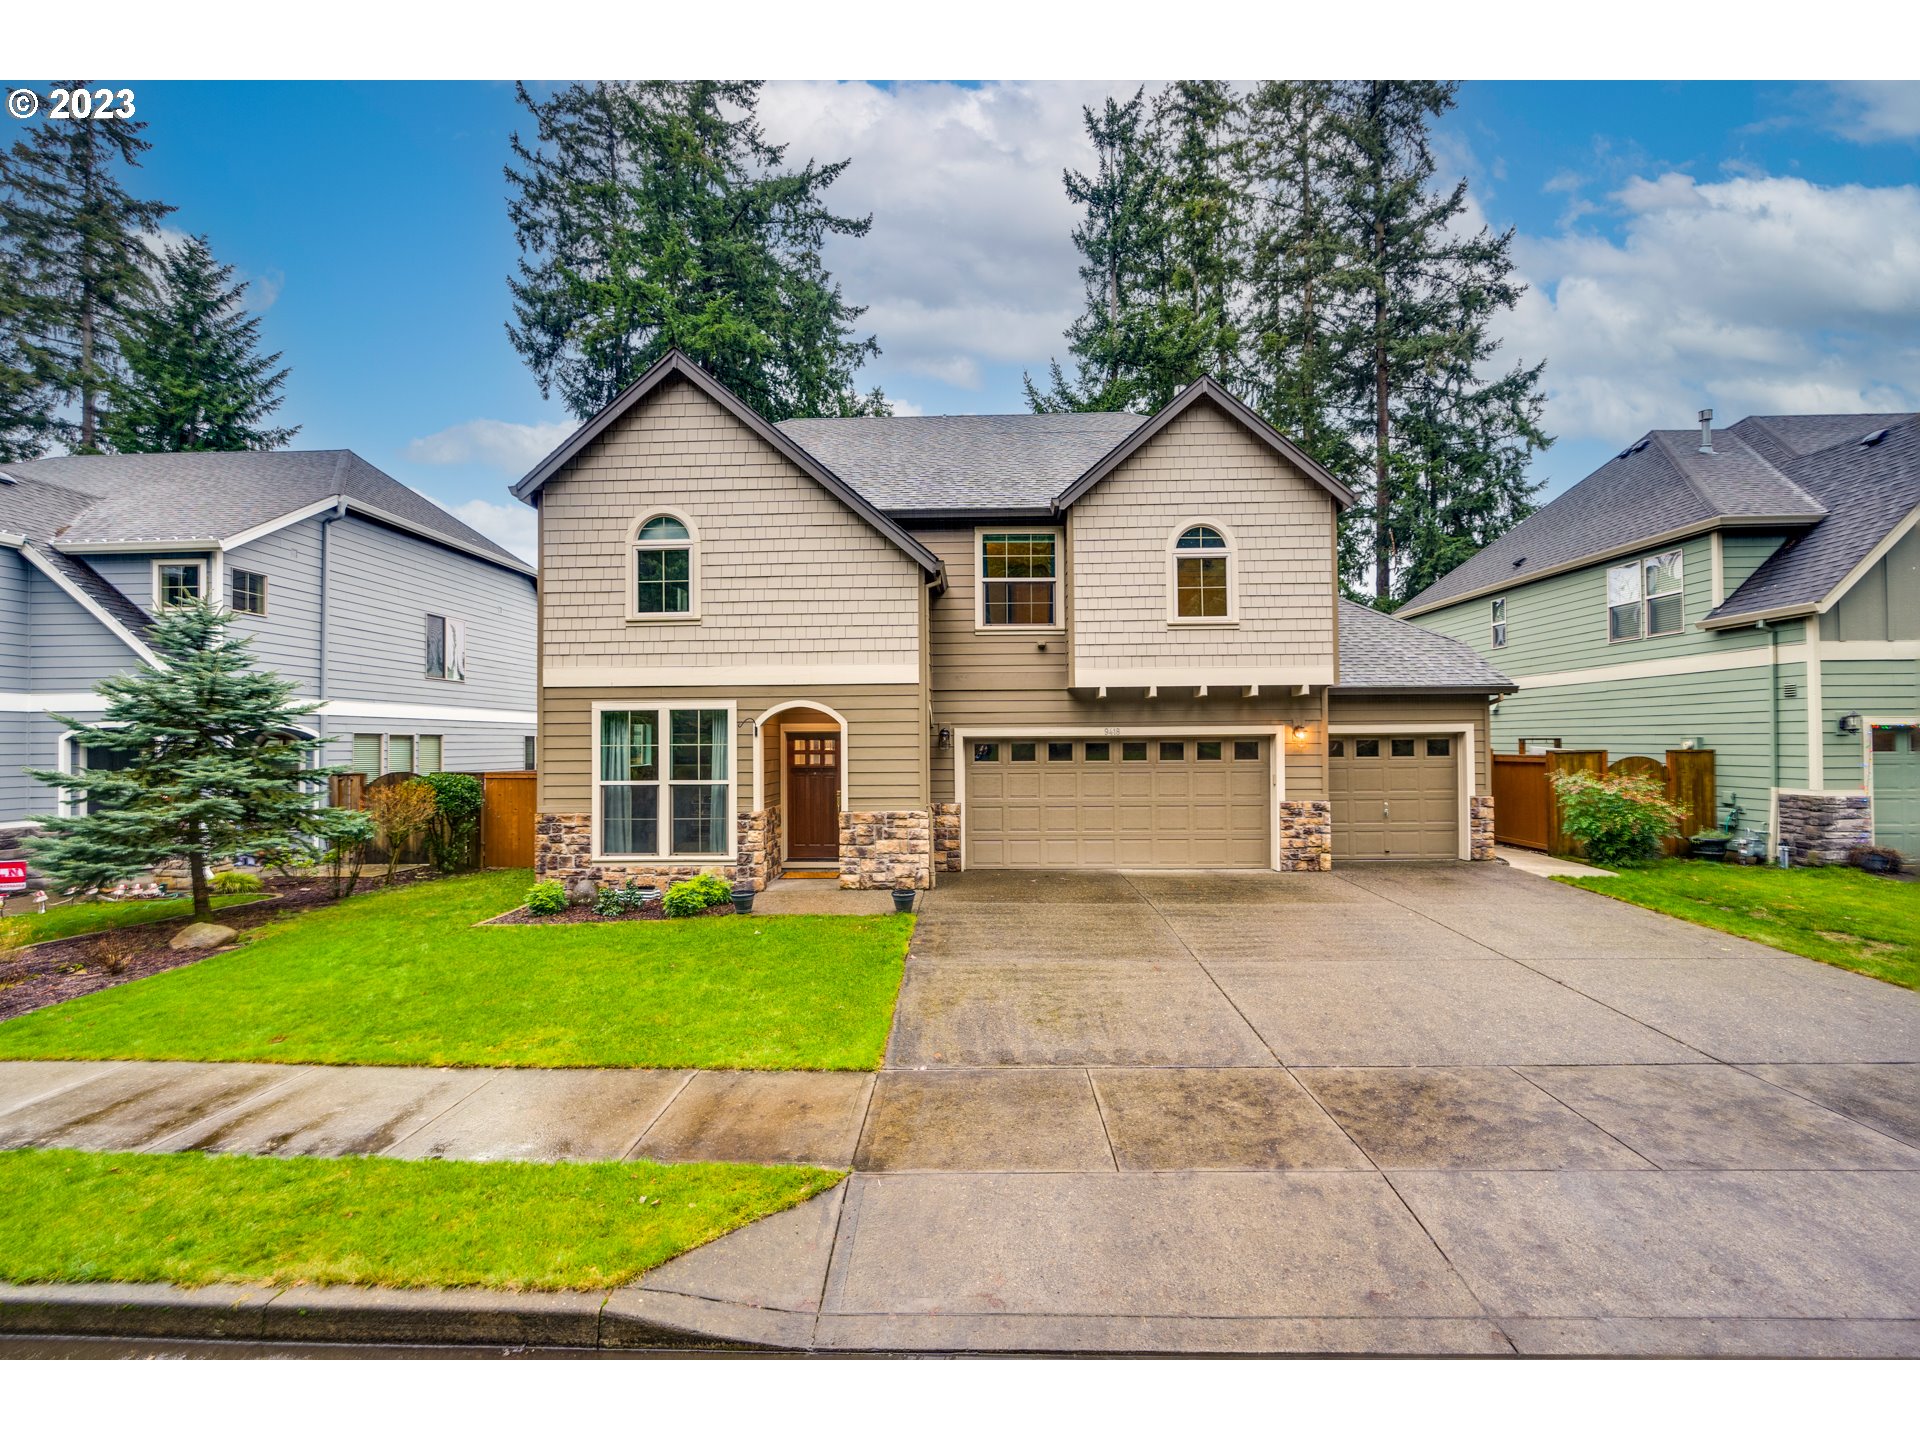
point(178, 582)
point(446, 648)
point(664, 570)
point(246, 592)
point(1200, 579)
point(1500, 624)
point(1646, 597)
point(1020, 578)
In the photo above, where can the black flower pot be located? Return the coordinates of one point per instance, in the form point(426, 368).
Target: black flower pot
point(743, 899)
point(902, 901)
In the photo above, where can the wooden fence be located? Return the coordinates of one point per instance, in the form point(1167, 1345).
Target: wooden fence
point(1526, 812)
point(506, 816)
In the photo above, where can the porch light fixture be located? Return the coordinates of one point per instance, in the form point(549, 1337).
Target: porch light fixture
point(1850, 723)
point(945, 738)
point(1299, 732)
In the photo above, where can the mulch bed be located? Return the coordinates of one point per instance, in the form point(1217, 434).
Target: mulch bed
point(582, 915)
point(57, 970)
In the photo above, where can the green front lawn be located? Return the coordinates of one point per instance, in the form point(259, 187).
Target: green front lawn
point(68, 1215)
point(84, 917)
point(406, 978)
point(1842, 916)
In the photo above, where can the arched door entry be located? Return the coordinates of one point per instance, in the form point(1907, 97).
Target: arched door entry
point(813, 795)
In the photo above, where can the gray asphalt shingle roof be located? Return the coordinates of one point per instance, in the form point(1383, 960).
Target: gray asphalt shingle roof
point(1378, 652)
point(107, 499)
point(908, 463)
point(1658, 485)
point(1867, 489)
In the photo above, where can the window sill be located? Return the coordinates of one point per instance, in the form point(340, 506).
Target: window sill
point(701, 861)
point(979, 629)
point(1226, 622)
point(691, 617)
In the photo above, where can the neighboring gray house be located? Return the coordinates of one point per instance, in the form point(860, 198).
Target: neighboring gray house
point(414, 632)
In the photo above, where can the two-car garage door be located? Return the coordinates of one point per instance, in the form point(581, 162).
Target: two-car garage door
point(1185, 803)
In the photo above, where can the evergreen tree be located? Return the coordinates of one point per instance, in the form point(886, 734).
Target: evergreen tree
point(192, 375)
point(213, 763)
point(1417, 299)
point(1205, 226)
point(79, 253)
point(27, 421)
point(655, 214)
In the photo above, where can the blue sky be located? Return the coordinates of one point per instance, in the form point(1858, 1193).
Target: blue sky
point(1749, 246)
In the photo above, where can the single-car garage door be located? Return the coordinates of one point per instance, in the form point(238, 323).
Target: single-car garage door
point(1395, 797)
point(1182, 803)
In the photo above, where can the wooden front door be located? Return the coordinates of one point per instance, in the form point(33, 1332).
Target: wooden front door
point(813, 797)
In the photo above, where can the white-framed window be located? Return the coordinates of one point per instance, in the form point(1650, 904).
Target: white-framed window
point(76, 758)
point(663, 569)
point(1500, 624)
point(1646, 597)
point(663, 780)
point(246, 592)
point(446, 648)
point(1018, 578)
point(1201, 585)
point(178, 582)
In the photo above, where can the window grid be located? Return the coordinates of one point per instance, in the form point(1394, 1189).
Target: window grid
point(1019, 579)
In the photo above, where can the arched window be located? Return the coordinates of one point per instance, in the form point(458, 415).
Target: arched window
point(1201, 580)
point(665, 576)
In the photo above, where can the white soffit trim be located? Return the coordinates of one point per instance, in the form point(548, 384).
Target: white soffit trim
point(66, 702)
point(1087, 678)
point(292, 517)
point(388, 710)
point(86, 602)
point(578, 677)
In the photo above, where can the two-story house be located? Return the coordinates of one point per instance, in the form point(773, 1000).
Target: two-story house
point(1752, 590)
point(886, 647)
point(412, 632)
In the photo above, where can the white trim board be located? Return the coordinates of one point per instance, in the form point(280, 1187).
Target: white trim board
point(393, 710)
point(1276, 733)
point(36, 701)
point(670, 677)
point(1753, 658)
point(1466, 772)
point(91, 606)
point(1142, 678)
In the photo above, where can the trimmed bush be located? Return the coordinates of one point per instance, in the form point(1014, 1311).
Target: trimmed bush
point(546, 897)
point(692, 897)
point(453, 836)
point(614, 901)
point(1619, 820)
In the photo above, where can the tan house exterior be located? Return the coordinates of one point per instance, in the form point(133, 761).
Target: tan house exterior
point(887, 648)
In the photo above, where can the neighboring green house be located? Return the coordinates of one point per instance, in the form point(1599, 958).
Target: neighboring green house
point(1754, 591)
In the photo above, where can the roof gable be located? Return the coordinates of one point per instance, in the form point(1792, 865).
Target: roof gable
point(677, 365)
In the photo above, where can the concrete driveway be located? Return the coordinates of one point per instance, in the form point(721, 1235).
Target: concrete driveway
point(1395, 1109)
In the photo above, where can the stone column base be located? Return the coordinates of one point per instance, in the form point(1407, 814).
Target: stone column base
point(757, 831)
point(1824, 827)
point(1306, 835)
point(1480, 828)
point(946, 837)
point(880, 849)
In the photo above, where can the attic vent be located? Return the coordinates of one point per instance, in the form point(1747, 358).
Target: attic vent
point(1789, 692)
point(1640, 445)
point(6, 479)
point(1876, 437)
point(1518, 561)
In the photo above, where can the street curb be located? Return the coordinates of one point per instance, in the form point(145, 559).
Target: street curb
point(350, 1314)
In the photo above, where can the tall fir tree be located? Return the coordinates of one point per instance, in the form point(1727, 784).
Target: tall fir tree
point(212, 760)
point(1417, 299)
point(192, 377)
point(655, 214)
point(80, 253)
point(1196, 122)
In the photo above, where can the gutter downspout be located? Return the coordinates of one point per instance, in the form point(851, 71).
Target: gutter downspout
point(338, 512)
point(1773, 719)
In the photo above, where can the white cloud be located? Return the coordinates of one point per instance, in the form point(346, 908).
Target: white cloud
point(1751, 294)
point(1870, 110)
point(497, 444)
point(970, 260)
point(262, 290)
point(514, 526)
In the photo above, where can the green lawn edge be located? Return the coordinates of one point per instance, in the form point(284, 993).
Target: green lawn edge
point(406, 977)
point(1838, 916)
point(73, 1216)
point(96, 917)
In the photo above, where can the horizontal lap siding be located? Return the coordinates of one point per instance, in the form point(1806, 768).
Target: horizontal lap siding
point(15, 671)
point(1888, 688)
point(287, 637)
point(886, 745)
point(465, 745)
point(1004, 683)
point(1203, 467)
point(67, 648)
point(788, 574)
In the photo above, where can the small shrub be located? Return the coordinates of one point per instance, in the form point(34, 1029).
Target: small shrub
point(453, 835)
point(1620, 820)
point(237, 882)
point(546, 897)
point(400, 810)
point(692, 897)
point(1710, 836)
point(616, 900)
point(115, 951)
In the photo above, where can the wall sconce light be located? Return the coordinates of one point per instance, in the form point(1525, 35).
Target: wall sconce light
point(1850, 723)
point(1299, 732)
point(945, 738)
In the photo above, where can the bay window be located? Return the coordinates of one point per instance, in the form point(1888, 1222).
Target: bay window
point(664, 782)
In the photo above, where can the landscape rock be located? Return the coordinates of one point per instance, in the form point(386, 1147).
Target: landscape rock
point(202, 936)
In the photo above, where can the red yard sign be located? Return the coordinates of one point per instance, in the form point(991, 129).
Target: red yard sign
point(13, 875)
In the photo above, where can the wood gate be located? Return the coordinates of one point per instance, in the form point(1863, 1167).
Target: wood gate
point(1520, 800)
point(1526, 811)
point(506, 820)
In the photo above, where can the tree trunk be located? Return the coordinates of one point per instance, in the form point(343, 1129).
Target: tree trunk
point(202, 892)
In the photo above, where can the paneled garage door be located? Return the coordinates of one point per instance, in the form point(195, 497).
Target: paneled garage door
point(1395, 797)
point(1131, 804)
